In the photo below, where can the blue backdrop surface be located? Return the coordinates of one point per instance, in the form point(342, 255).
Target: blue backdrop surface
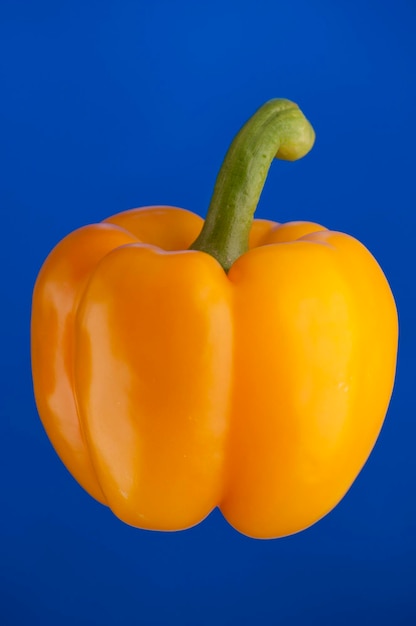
point(109, 105)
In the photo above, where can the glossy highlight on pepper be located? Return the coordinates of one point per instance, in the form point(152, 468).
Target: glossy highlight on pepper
point(181, 365)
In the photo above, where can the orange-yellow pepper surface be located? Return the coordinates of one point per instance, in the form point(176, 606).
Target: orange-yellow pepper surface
point(169, 387)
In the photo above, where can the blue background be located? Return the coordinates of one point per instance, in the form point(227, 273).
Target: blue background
point(108, 105)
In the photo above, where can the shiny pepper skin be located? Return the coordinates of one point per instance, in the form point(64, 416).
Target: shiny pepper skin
point(169, 387)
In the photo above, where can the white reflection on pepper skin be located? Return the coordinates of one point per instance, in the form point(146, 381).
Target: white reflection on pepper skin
point(106, 383)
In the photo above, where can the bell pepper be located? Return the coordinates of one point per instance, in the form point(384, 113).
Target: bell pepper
point(181, 365)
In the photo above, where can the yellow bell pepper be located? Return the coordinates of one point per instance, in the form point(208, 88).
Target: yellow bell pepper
point(181, 365)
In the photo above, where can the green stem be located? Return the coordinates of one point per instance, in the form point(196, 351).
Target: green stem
point(278, 129)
